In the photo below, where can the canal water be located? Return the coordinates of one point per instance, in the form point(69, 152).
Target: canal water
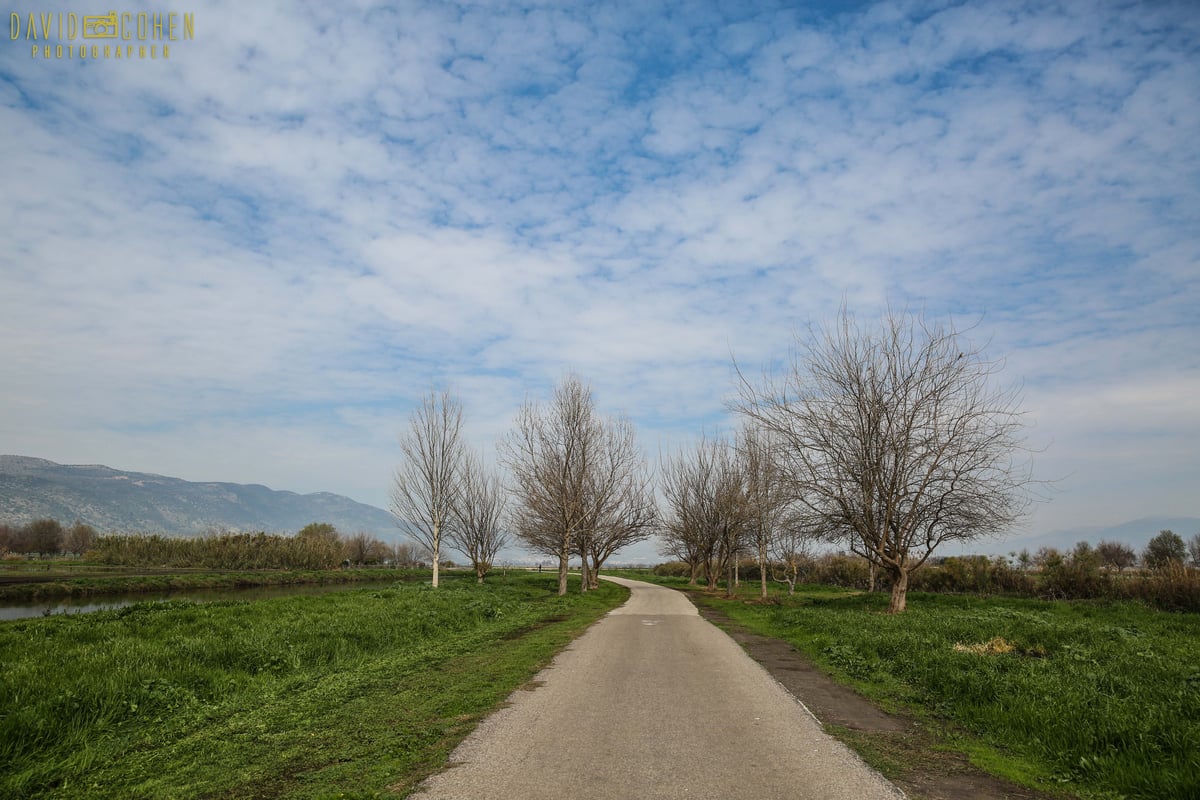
point(81, 605)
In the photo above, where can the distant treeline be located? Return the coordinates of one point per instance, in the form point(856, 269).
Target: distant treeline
point(1168, 576)
point(316, 546)
point(46, 537)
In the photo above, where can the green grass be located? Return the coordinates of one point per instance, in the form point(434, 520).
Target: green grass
point(1099, 698)
point(355, 694)
point(18, 586)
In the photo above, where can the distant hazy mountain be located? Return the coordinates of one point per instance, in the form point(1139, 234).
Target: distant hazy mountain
point(112, 500)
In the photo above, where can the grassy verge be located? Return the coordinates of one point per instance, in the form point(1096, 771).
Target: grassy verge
point(142, 581)
point(1099, 698)
point(352, 694)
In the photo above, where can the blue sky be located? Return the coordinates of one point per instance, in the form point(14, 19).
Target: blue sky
point(248, 261)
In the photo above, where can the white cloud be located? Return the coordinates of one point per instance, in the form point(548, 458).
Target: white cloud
point(301, 221)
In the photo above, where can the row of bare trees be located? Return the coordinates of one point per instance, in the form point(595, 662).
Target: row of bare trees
point(727, 501)
point(579, 485)
point(890, 440)
point(442, 493)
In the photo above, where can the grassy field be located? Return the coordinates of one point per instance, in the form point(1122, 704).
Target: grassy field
point(31, 580)
point(1102, 699)
point(351, 694)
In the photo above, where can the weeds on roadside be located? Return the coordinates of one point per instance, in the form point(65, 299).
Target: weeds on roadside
point(301, 696)
point(1103, 697)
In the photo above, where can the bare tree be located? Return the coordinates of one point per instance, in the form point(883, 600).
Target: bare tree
point(618, 499)
point(1193, 546)
point(767, 498)
point(681, 535)
point(478, 531)
point(704, 492)
point(363, 548)
point(42, 536)
point(80, 538)
point(894, 440)
point(427, 483)
point(687, 481)
point(549, 454)
point(791, 550)
point(622, 499)
point(572, 471)
point(1116, 555)
point(404, 555)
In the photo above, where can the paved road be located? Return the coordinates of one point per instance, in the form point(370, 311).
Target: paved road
point(654, 702)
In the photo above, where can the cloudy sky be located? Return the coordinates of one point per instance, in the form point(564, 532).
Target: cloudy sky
point(249, 260)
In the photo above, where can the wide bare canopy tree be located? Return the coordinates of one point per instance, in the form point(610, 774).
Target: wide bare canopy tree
point(427, 483)
point(576, 475)
point(894, 439)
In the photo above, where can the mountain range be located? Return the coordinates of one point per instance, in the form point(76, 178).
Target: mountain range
point(112, 500)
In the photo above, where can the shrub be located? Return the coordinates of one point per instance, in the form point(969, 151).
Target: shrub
point(1076, 576)
point(673, 569)
point(839, 569)
point(1172, 588)
point(221, 551)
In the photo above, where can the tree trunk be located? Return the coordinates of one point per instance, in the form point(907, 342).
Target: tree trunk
point(899, 600)
point(479, 576)
point(731, 578)
point(762, 574)
point(585, 578)
point(564, 556)
point(871, 577)
point(437, 542)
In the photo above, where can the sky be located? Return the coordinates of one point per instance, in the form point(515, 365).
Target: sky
point(248, 260)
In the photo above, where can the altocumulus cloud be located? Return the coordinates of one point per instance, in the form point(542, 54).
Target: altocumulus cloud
point(247, 261)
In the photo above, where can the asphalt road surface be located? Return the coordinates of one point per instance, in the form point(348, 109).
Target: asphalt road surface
point(654, 702)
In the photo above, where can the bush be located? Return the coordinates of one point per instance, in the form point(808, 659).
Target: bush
point(850, 572)
point(1172, 588)
point(1076, 576)
point(223, 551)
point(673, 569)
point(972, 575)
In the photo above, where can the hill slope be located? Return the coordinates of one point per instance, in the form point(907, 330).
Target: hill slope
point(113, 500)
